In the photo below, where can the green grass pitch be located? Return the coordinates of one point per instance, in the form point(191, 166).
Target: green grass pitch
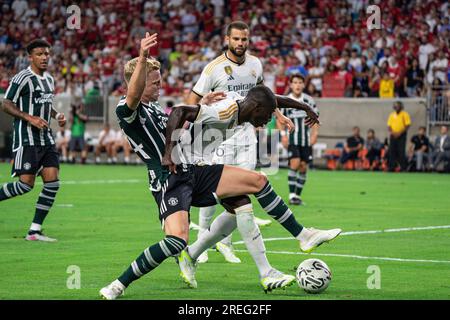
point(104, 217)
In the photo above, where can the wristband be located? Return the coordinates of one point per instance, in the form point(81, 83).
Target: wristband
point(282, 133)
point(57, 115)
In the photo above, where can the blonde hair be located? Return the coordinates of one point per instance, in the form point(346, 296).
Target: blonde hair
point(130, 66)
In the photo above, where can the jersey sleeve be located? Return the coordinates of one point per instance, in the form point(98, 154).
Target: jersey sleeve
point(16, 89)
point(314, 106)
point(259, 72)
point(204, 84)
point(224, 111)
point(124, 113)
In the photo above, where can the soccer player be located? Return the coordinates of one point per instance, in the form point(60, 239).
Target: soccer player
point(255, 108)
point(29, 99)
point(299, 142)
point(144, 124)
point(235, 71)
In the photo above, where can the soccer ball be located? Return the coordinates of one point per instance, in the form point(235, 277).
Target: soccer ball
point(313, 276)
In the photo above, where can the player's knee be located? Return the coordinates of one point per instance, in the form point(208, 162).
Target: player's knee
point(181, 232)
point(27, 183)
point(260, 181)
point(303, 166)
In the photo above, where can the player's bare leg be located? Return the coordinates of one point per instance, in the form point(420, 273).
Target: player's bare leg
point(237, 181)
point(176, 228)
point(224, 224)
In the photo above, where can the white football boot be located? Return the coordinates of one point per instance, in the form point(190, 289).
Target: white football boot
point(187, 269)
point(203, 257)
point(227, 252)
point(113, 290)
point(312, 238)
point(276, 280)
point(263, 222)
point(39, 236)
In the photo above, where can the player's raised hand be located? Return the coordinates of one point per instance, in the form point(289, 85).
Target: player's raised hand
point(37, 122)
point(148, 42)
point(213, 97)
point(286, 123)
point(312, 117)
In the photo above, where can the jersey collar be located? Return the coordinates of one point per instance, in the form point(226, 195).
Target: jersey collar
point(291, 95)
point(236, 63)
point(34, 73)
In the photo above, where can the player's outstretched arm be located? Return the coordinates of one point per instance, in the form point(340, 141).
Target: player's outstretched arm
point(177, 118)
point(285, 102)
point(10, 108)
point(136, 85)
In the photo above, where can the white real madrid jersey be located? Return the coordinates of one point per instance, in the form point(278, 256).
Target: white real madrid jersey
point(214, 124)
point(222, 74)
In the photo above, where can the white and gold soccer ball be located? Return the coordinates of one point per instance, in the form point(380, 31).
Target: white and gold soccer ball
point(313, 276)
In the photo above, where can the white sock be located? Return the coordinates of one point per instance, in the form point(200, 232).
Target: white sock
point(205, 216)
point(252, 237)
point(222, 226)
point(36, 227)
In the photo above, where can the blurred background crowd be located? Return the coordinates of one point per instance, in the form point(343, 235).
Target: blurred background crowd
point(327, 41)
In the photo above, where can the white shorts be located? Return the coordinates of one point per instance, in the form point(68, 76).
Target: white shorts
point(242, 156)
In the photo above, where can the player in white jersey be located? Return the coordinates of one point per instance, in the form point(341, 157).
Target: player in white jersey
point(233, 71)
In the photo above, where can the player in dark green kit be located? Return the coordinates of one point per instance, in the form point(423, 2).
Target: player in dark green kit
point(299, 142)
point(29, 99)
point(178, 187)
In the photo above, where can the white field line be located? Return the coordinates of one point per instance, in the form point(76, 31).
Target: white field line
point(116, 181)
point(350, 233)
point(354, 256)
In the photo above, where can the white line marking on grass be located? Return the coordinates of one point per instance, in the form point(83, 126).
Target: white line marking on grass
point(65, 205)
point(354, 256)
point(350, 233)
point(117, 181)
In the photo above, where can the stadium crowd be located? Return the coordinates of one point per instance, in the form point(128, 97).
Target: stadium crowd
point(326, 40)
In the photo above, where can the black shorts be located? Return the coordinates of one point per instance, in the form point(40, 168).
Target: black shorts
point(76, 144)
point(195, 186)
point(304, 153)
point(31, 159)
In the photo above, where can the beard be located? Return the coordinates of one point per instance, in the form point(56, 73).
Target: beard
point(233, 50)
